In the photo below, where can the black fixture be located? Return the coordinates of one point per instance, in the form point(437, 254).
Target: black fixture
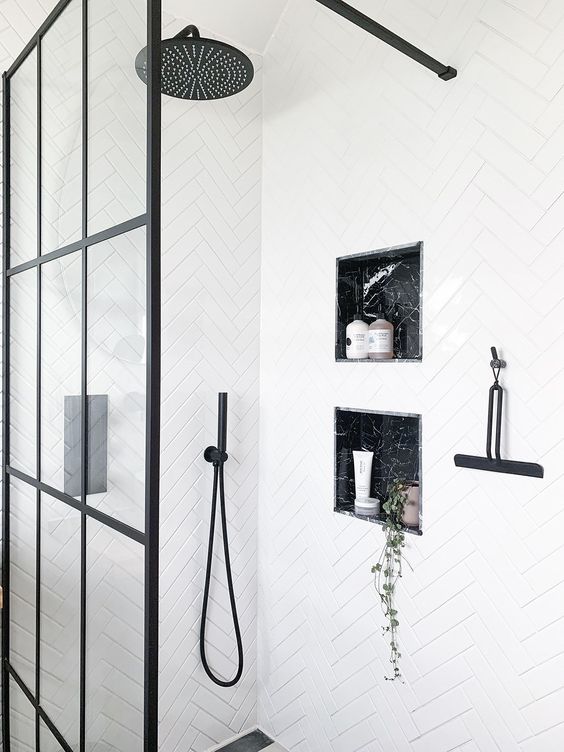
point(218, 457)
point(197, 68)
point(497, 464)
point(446, 72)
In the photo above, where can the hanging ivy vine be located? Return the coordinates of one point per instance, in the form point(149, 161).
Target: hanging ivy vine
point(388, 570)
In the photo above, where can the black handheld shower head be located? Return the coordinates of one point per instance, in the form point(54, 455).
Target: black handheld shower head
point(197, 68)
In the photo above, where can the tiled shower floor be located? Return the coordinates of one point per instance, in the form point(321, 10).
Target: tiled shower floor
point(256, 741)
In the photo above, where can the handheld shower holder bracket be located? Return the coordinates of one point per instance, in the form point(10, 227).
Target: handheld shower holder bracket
point(213, 455)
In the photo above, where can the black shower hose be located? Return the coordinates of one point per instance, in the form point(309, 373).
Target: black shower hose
point(218, 479)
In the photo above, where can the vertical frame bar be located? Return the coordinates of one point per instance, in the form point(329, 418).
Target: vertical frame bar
point(6, 415)
point(38, 410)
point(153, 382)
point(84, 385)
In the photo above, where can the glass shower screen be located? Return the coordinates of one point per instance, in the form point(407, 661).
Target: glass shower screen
point(81, 380)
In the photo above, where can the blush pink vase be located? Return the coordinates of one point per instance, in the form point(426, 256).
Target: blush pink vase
point(410, 515)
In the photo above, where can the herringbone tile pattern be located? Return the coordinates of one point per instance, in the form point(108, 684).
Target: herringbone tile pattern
point(211, 300)
point(363, 149)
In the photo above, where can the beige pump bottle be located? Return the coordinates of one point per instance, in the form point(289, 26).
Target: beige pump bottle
point(381, 338)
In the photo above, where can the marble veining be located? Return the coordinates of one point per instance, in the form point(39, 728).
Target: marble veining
point(389, 278)
point(395, 439)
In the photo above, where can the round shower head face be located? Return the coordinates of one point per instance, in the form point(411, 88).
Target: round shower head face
point(199, 69)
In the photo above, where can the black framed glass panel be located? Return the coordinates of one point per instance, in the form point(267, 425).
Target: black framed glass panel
point(23, 161)
point(61, 352)
point(60, 617)
point(116, 343)
point(61, 130)
point(23, 371)
point(47, 741)
point(22, 603)
point(114, 640)
point(81, 374)
point(22, 720)
point(117, 113)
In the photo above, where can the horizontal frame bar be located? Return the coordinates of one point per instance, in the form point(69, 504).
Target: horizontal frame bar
point(79, 245)
point(120, 527)
point(444, 72)
point(42, 714)
point(509, 467)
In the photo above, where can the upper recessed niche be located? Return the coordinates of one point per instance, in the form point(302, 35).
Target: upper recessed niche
point(389, 278)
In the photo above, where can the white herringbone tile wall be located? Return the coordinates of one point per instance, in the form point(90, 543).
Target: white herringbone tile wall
point(211, 307)
point(363, 149)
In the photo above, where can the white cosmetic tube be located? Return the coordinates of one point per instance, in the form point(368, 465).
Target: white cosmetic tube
point(363, 502)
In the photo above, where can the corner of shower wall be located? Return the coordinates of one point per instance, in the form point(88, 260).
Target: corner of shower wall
point(212, 173)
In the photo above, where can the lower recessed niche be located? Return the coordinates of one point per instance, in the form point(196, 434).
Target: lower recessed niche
point(395, 441)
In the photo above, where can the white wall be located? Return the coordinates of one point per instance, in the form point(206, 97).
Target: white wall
point(363, 149)
point(211, 300)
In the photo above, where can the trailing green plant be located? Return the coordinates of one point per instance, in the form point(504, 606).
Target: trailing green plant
point(388, 570)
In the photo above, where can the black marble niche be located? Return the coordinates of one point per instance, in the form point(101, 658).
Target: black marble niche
point(390, 278)
point(395, 439)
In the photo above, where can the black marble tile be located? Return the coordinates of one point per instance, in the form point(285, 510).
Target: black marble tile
point(395, 440)
point(253, 742)
point(389, 278)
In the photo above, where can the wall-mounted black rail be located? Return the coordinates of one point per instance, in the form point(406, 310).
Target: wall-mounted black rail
point(446, 72)
point(495, 463)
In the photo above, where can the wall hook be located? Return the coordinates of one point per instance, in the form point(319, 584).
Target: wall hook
point(496, 464)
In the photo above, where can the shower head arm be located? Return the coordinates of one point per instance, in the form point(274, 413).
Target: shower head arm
point(189, 31)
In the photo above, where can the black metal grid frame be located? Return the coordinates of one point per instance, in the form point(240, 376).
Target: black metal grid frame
point(149, 539)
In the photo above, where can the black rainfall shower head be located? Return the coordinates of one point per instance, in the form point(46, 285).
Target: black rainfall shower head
point(198, 68)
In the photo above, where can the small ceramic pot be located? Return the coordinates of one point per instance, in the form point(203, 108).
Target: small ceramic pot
point(410, 515)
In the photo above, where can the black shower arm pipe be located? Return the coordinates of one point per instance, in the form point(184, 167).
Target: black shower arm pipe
point(445, 72)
